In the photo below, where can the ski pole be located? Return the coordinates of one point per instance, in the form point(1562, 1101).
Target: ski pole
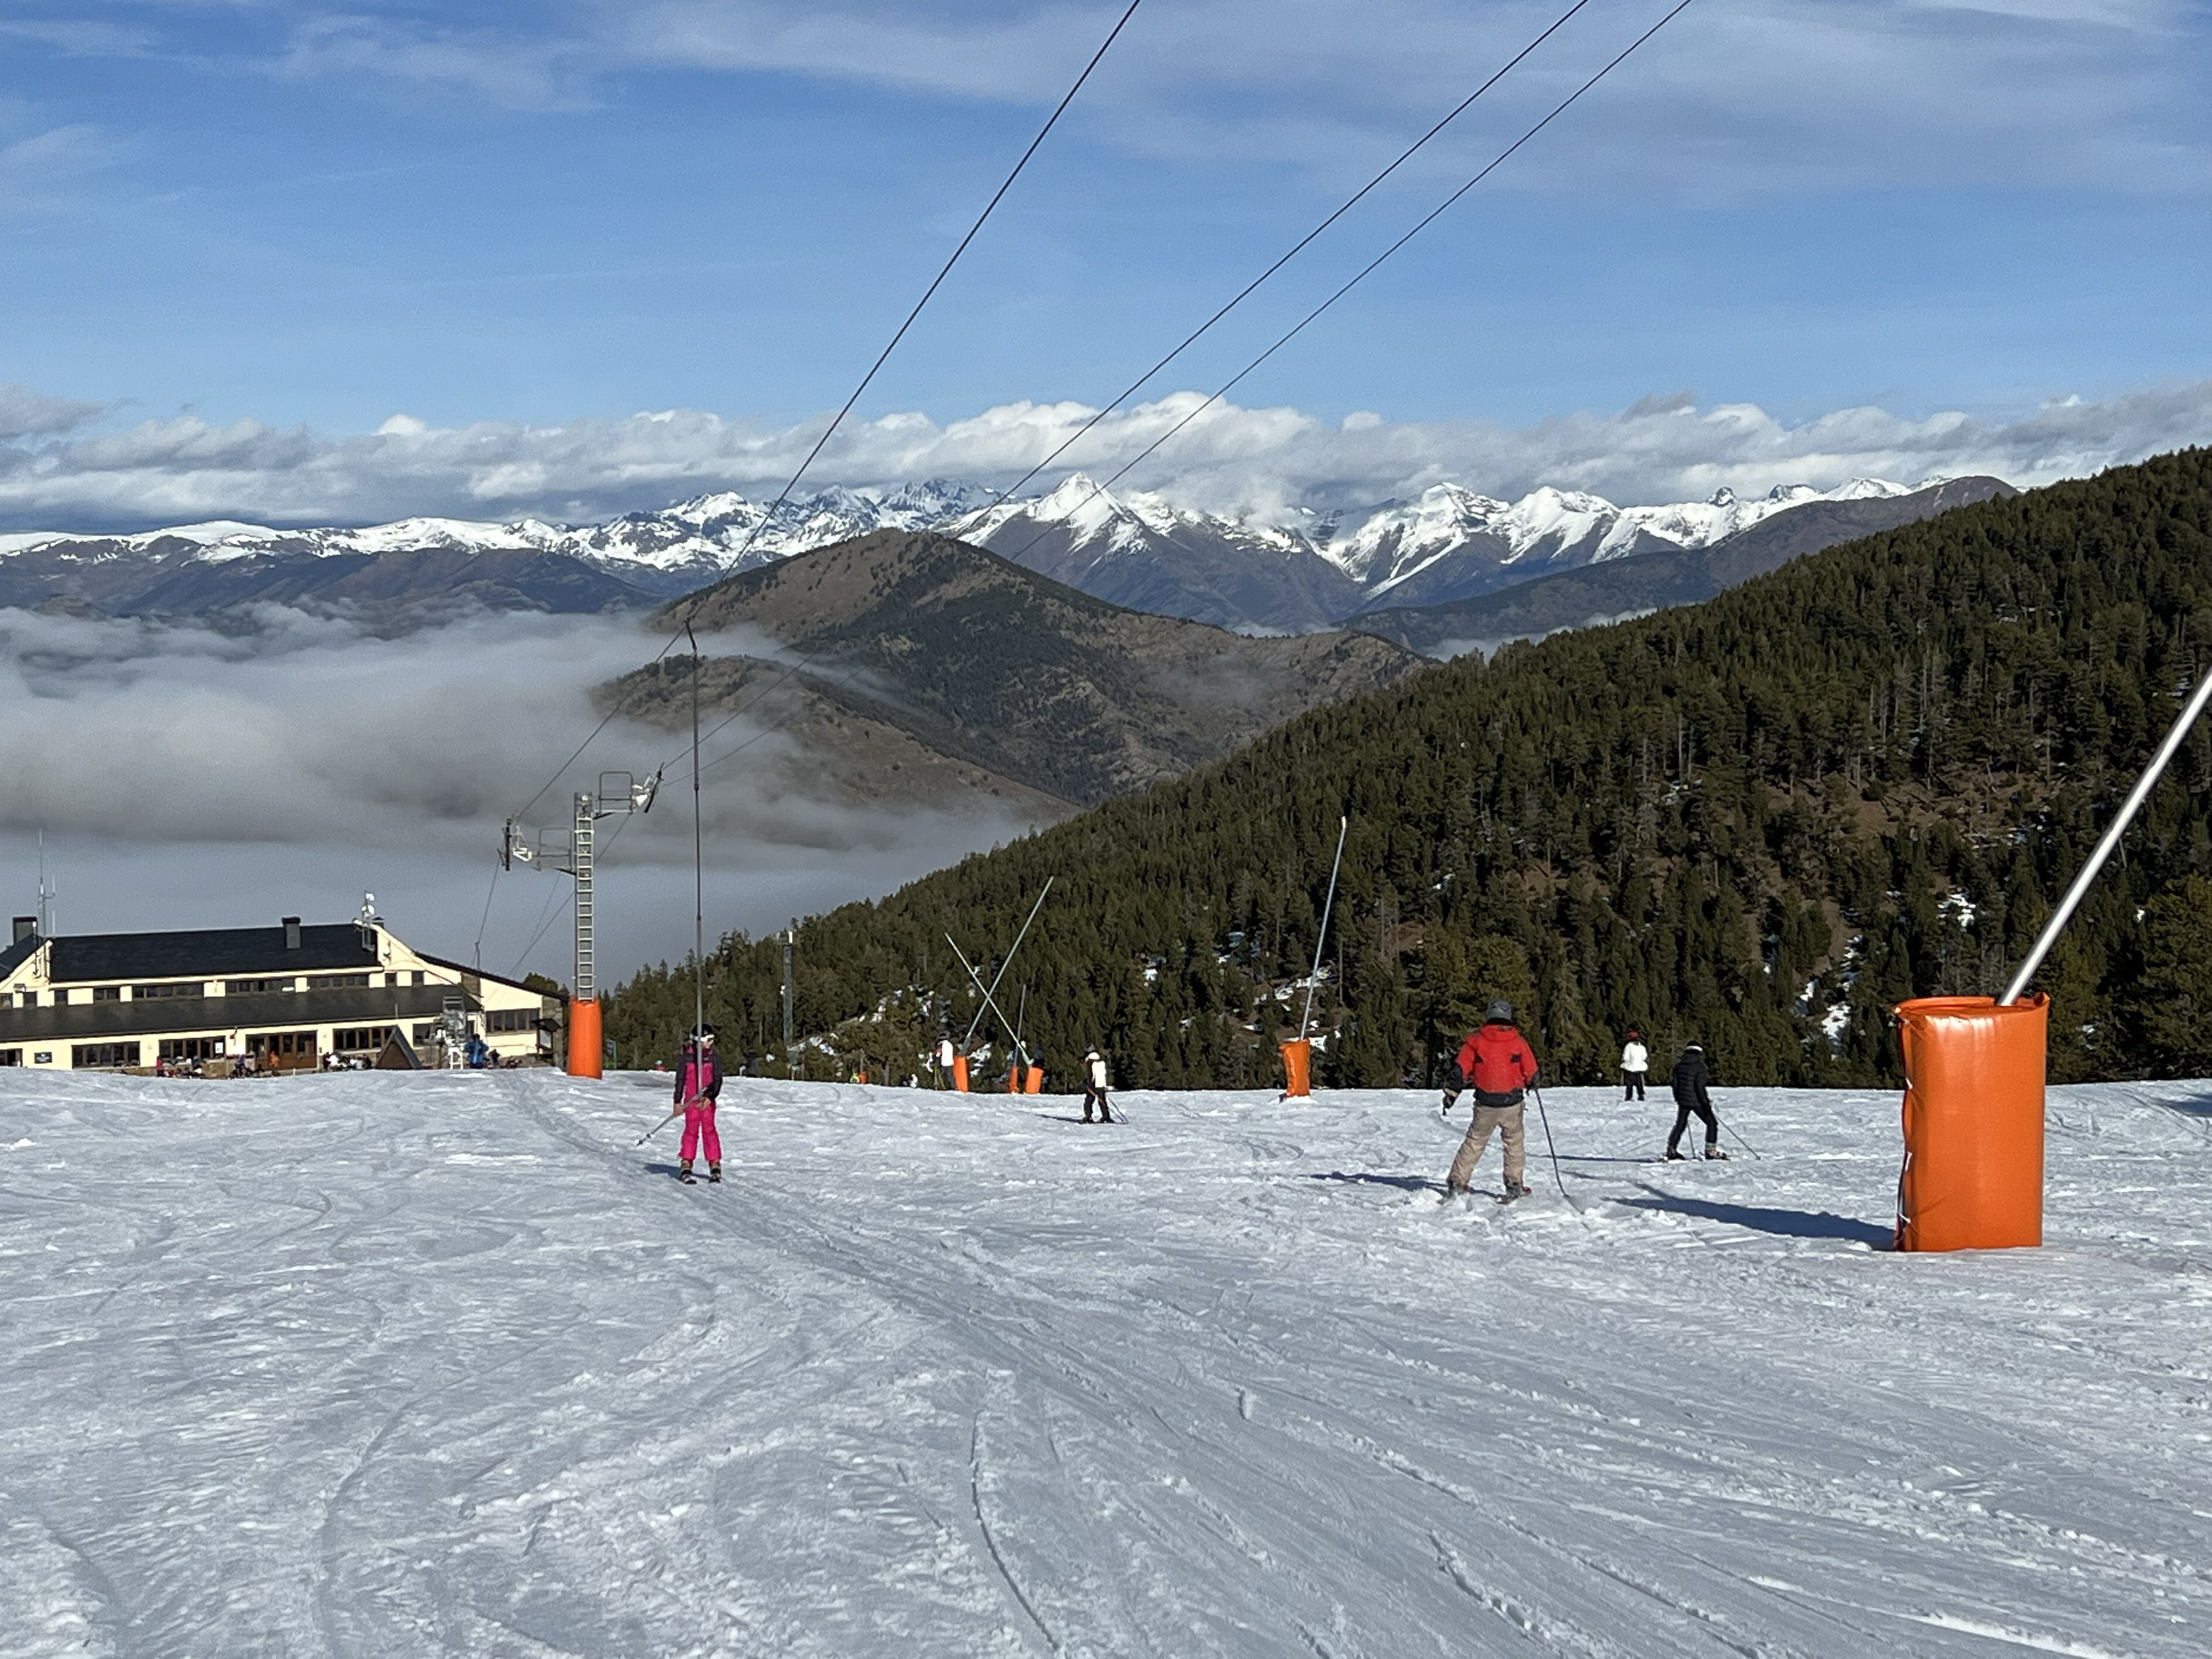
point(673, 1115)
point(1545, 1118)
point(1739, 1140)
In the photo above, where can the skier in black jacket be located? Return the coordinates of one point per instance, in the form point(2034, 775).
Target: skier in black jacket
point(1690, 1095)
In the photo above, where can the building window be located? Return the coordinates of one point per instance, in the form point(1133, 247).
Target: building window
point(193, 1048)
point(96, 1056)
point(254, 987)
point(43, 1057)
point(11, 1056)
point(30, 999)
point(421, 978)
point(424, 1033)
point(361, 1039)
point(509, 1020)
point(152, 992)
point(102, 994)
point(287, 1048)
point(336, 981)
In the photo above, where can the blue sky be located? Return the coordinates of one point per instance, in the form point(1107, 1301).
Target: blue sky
point(244, 235)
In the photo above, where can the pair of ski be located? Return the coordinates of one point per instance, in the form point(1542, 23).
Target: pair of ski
point(1505, 1197)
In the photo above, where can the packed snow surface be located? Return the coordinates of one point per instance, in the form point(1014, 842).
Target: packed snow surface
point(427, 1364)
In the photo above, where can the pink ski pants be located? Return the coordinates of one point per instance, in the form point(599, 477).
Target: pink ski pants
point(698, 1121)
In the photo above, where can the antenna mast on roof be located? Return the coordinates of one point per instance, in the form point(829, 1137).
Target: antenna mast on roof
point(45, 893)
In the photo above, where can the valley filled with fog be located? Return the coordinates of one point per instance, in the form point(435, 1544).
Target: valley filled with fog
point(195, 775)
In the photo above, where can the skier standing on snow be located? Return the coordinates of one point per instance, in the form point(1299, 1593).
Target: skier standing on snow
point(698, 1088)
point(1690, 1095)
point(1497, 1062)
point(943, 1056)
point(1093, 1086)
point(1635, 1062)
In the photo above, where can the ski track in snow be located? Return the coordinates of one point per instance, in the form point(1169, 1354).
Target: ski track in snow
point(373, 1365)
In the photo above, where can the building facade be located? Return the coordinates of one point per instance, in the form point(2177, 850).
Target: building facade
point(289, 995)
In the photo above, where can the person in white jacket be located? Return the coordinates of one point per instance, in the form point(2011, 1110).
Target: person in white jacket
point(1093, 1086)
point(1635, 1062)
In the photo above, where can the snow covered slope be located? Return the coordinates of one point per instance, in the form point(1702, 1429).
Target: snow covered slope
point(409, 1364)
point(1304, 573)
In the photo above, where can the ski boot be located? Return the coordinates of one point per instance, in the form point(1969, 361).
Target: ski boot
point(1514, 1189)
point(1716, 1154)
point(683, 1172)
point(714, 1175)
point(1673, 1157)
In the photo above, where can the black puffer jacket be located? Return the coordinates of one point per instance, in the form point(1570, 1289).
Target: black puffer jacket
point(1690, 1079)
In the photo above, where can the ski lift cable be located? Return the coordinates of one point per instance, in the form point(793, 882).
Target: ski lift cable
point(691, 605)
point(546, 917)
point(1295, 249)
point(1242, 295)
point(484, 920)
point(1365, 271)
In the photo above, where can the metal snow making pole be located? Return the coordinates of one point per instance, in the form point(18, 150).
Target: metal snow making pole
point(960, 1058)
point(1028, 1076)
point(1974, 1073)
point(1298, 1054)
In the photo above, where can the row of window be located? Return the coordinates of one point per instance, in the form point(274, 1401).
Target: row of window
point(237, 988)
point(298, 1047)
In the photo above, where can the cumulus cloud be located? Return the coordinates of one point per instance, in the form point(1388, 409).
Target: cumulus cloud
point(59, 470)
point(185, 776)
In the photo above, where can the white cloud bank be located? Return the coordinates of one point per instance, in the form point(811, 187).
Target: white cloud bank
point(186, 776)
point(61, 468)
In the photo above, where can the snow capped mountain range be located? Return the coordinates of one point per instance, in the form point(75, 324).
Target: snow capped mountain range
point(1304, 570)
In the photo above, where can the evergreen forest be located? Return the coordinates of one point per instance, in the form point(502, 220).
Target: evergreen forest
point(1759, 823)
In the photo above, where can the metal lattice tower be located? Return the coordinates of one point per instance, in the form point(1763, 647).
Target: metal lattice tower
point(588, 978)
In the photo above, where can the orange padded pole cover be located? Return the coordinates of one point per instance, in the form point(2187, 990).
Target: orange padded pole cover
point(585, 1053)
point(1974, 1123)
point(960, 1072)
point(1035, 1083)
point(1298, 1067)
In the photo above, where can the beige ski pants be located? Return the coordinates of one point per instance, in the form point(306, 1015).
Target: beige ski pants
point(1506, 1120)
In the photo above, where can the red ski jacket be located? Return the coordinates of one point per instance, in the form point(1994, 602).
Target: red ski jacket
point(1497, 1064)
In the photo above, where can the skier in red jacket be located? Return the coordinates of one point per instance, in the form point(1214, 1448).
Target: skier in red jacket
point(1497, 1062)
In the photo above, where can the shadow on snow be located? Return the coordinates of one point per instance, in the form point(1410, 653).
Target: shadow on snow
point(1404, 1183)
point(1786, 1223)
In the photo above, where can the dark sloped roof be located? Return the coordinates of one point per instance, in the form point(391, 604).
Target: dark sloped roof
point(276, 1011)
point(463, 968)
point(15, 954)
point(210, 953)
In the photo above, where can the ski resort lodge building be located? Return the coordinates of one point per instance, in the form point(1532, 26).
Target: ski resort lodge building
point(288, 995)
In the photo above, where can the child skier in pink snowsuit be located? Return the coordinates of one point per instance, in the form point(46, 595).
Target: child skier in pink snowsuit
point(698, 1087)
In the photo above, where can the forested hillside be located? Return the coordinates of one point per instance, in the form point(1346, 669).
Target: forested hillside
point(1759, 821)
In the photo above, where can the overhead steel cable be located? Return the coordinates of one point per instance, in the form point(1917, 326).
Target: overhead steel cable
point(784, 494)
point(1193, 338)
point(1295, 249)
point(1361, 276)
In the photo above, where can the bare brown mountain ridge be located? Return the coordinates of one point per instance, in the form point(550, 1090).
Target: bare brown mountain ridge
point(920, 665)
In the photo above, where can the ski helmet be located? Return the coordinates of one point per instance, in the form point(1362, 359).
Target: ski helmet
point(1500, 1010)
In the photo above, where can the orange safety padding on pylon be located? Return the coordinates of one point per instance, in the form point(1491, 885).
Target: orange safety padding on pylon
point(1974, 1123)
point(1034, 1083)
point(960, 1072)
point(585, 1053)
point(1298, 1067)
